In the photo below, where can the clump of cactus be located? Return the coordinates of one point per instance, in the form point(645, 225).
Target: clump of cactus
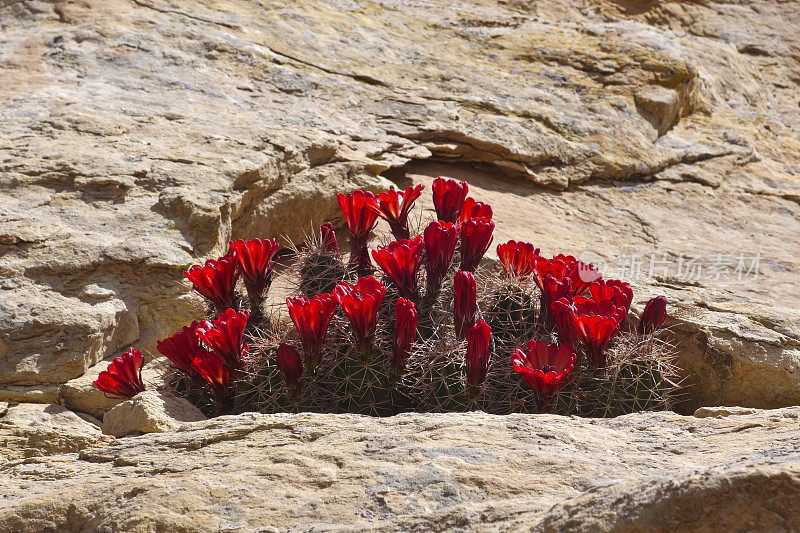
point(421, 323)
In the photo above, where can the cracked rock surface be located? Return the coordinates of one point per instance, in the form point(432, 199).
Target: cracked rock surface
point(140, 135)
point(653, 472)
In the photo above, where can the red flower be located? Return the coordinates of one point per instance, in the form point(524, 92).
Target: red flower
point(653, 316)
point(328, 237)
point(464, 302)
point(440, 244)
point(624, 289)
point(290, 365)
point(123, 379)
point(311, 318)
point(476, 236)
point(216, 280)
point(394, 206)
point(473, 209)
point(516, 258)
point(361, 302)
point(562, 267)
point(596, 331)
point(564, 317)
point(477, 360)
point(607, 308)
point(400, 261)
point(211, 368)
point(224, 337)
point(182, 348)
point(552, 290)
point(360, 210)
point(256, 260)
point(545, 367)
point(405, 329)
point(448, 198)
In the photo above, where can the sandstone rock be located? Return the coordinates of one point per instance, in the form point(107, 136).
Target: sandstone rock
point(149, 412)
point(36, 430)
point(443, 472)
point(140, 135)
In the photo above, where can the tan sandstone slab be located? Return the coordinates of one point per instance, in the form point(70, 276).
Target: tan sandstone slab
point(477, 472)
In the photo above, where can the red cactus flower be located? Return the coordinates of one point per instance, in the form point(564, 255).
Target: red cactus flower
point(625, 296)
point(653, 316)
point(516, 258)
point(360, 210)
point(464, 302)
point(476, 236)
point(329, 243)
point(607, 308)
point(224, 337)
point(405, 330)
point(123, 379)
point(361, 302)
point(394, 207)
point(216, 280)
point(612, 293)
point(473, 209)
point(400, 261)
point(545, 368)
point(479, 337)
point(596, 331)
point(565, 266)
point(440, 244)
point(448, 198)
point(182, 348)
point(256, 260)
point(290, 365)
point(563, 314)
point(214, 371)
point(311, 318)
point(552, 290)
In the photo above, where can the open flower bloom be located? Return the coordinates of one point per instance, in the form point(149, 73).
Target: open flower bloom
point(476, 236)
point(224, 337)
point(545, 367)
point(214, 372)
point(290, 365)
point(653, 316)
point(311, 318)
point(448, 198)
point(562, 267)
point(473, 209)
point(516, 258)
point(623, 293)
point(328, 239)
point(464, 302)
point(256, 259)
point(479, 337)
point(361, 302)
point(440, 244)
point(123, 378)
point(216, 280)
point(607, 308)
point(596, 331)
point(394, 207)
point(360, 210)
point(405, 330)
point(182, 348)
point(400, 261)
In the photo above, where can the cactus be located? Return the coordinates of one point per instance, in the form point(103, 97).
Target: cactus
point(633, 371)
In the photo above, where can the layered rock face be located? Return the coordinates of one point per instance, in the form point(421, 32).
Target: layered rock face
point(727, 471)
point(140, 135)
